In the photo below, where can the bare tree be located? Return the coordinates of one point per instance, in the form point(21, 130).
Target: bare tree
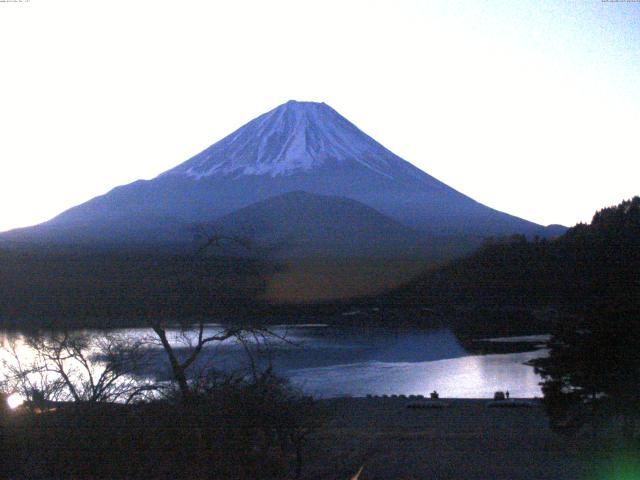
point(184, 347)
point(25, 373)
point(193, 338)
point(76, 366)
point(194, 344)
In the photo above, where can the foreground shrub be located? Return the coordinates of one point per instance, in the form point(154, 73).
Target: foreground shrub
point(232, 430)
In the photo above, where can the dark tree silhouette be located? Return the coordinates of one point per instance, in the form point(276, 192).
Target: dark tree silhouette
point(593, 367)
point(191, 336)
point(593, 370)
point(75, 366)
point(195, 344)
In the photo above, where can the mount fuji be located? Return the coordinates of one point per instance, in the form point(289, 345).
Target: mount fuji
point(296, 147)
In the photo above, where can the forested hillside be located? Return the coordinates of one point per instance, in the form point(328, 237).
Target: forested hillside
point(93, 288)
point(590, 266)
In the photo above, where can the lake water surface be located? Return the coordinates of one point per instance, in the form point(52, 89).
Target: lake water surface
point(349, 361)
point(327, 361)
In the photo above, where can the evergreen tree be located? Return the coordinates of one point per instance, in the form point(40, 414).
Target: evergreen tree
point(593, 367)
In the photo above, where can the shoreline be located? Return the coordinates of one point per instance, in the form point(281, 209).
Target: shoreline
point(424, 397)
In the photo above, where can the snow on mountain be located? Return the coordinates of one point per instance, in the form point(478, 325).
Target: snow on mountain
point(295, 137)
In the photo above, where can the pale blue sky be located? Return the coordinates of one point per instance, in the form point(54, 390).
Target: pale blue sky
point(531, 107)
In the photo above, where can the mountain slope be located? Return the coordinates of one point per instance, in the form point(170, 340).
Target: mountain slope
point(301, 224)
point(297, 146)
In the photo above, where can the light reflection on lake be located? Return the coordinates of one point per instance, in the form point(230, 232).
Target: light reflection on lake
point(328, 361)
point(472, 376)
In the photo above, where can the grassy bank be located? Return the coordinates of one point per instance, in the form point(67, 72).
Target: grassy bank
point(466, 439)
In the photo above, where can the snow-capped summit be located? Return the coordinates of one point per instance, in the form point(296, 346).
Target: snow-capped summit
point(295, 137)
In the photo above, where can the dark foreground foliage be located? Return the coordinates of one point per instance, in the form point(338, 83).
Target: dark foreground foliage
point(592, 373)
point(231, 430)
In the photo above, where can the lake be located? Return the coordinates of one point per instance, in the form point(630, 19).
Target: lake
point(327, 361)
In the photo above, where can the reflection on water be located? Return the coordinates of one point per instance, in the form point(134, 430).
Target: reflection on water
point(329, 361)
point(465, 377)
